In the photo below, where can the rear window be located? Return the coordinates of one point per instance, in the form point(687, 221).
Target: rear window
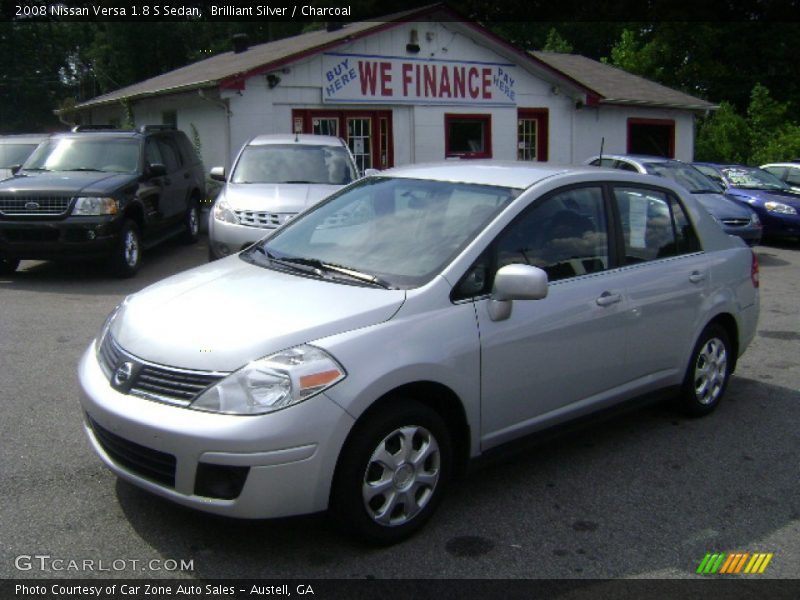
point(294, 163)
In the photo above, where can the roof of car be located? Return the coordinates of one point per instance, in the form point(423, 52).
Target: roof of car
point(643, 158)
point(795, 164)
point(512, 174)
point(24, 138)
point(291, 138)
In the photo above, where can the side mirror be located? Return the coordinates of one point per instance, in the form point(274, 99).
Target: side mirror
point(515, 282)
point(157, 170)
point(14, 169)
point(217, 173)
point(371, 172)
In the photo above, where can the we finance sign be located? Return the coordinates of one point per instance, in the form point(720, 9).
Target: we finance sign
point(357, 78)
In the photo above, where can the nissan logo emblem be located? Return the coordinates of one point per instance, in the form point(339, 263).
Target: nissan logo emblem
point(123, 373)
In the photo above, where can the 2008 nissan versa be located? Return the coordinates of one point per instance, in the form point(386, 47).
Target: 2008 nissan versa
point(362, 353)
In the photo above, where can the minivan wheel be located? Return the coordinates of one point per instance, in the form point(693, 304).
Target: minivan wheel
point(8, 265)
point(127, 255)
point(392, 472)
point(708, 373)
point(191, 231)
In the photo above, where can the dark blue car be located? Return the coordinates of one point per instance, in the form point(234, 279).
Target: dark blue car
point(776, 203)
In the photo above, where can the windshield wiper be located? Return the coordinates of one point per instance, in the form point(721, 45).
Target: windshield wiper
point(319, 268)
point(296, 181)
point(706, 192)
point(85, 169)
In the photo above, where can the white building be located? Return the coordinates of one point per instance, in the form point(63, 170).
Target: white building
point(417, 86)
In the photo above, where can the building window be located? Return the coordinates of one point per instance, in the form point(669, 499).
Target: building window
point(325, 126)
point(170, 117)
point(468, 136)
point(655, 137)
point(532, 139)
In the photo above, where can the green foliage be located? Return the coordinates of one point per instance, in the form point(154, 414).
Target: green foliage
point(556, 43)
point(765, 134)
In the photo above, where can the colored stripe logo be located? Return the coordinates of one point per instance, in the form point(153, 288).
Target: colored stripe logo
point(734, 563)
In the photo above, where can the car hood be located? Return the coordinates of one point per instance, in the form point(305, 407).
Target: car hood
point(758, 197)
point(67, 182)
point(282, 197)
point(722, 207)
point(220, 316)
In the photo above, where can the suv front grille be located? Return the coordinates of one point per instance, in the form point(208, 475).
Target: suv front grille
point(141, 460)
point(262, 220)
point(34, 205)
point(155, 382)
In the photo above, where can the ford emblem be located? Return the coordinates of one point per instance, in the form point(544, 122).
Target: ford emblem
point(31, 206)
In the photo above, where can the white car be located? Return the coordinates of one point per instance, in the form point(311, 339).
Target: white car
point(786, 171)
point(274, 178)
point(368, 349)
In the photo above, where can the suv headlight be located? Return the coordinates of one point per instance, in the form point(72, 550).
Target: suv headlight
point(93, 205)
point(223, 212)
point(273, 382)
point(780, 207)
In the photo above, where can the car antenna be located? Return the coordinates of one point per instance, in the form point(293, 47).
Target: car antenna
point(602, 143)
point(296, 137)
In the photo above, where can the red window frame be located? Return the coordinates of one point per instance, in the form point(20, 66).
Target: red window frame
point(485, 119)
point(542, 116)
point(642, 121)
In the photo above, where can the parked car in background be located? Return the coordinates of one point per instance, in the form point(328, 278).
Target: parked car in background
point(273, 178)
point(788, 172)
point(101, 194)
point(370, 347)
point(776, 203)
point(15, 149)
point(732, 216)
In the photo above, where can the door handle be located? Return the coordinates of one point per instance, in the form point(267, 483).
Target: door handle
point(697, 277)
point(608, 298)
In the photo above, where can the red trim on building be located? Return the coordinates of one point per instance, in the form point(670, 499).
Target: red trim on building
point(542, 116)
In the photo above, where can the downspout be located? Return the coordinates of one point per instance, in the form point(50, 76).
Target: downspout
point(224, 105)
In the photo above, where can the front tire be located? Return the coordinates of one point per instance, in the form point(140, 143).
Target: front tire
point(393, 472)
point(8, 265)
point(127, 257)
point(708, 373)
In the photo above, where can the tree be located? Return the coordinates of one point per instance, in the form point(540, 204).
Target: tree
point(556, 43)
point(723, 137)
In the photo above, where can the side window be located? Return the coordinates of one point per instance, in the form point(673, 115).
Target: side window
point(625, 166)
point(170, 154)
point(188, 152)
point(793, 176)
point(565, 234)
point(654, 225)
point(152, 155)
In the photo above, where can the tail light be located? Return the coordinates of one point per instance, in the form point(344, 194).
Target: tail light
point(754, 270)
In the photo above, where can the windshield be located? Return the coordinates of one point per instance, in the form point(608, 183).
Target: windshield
point(113, 155)
point(14, 154)
point(294, 163)
point(685, 175)
point(401, 231)
point(752, 178)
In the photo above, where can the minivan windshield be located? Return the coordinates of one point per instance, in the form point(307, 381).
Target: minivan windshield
point(685, 175)
point(294, 163)
point(394, 231)
point(113, 155)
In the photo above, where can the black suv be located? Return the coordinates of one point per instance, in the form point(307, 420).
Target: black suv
point(101, 193)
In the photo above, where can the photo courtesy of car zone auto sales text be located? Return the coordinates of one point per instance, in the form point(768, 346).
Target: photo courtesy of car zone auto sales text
point(412, 301)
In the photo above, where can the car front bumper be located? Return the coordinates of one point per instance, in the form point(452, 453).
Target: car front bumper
point(225, 239)
point(70, 238)
point(288, 457)
point(780, 225)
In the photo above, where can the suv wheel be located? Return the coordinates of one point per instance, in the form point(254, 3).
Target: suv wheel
point(127, 255)
point(192, 222)
point(393, 472)
point(708, 373)
point(8, 265)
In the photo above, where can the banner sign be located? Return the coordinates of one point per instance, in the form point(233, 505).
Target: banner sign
point(354, 78)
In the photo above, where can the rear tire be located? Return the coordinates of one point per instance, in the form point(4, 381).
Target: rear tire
point(8, 265)
point(191, 221)
point(127, 257)
point(708, 373)
point(392, 472)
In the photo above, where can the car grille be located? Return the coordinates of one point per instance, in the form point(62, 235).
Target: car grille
point(156, 382)
point(34, 205)
point(736, 222)
point(262, 220)
point(141, 460)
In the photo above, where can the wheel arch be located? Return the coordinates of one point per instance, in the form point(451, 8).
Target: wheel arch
point(728, 323)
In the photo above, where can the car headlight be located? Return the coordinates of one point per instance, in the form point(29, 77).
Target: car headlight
point(93, 205)
point(223, 212)
point(101, 337)
point(273, 382)
point(780, 207)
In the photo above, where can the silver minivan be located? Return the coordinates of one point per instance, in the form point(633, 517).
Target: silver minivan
point(367, 350)
point(273, 178)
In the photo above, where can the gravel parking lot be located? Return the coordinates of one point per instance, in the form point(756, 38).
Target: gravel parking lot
point(646, 494)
